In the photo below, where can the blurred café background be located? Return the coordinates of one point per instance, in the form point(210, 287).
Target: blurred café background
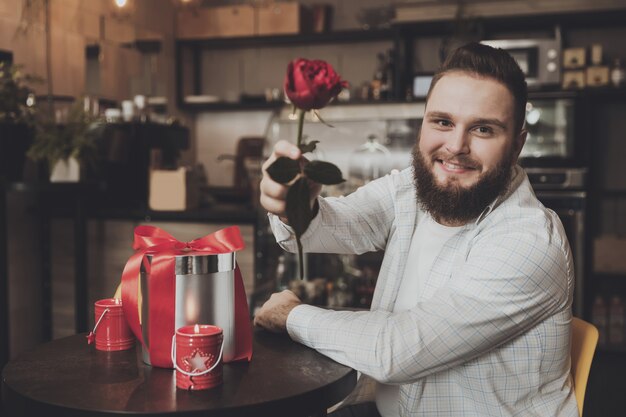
point(120, 113)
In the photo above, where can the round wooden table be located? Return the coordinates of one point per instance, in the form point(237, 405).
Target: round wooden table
point(68, 377)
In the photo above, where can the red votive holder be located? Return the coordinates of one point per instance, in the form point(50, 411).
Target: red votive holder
point(111, 331)
point(197, 356)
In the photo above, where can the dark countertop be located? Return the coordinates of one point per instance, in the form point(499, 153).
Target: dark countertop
point(68, 377)
point(60, 201)
point(215, 213)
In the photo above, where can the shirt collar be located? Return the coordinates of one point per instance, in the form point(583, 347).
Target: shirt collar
point(516, 179)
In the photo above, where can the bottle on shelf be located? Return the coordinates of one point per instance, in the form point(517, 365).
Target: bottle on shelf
point(616, 321)
point(388, 85)
point(599, 319)
point(378, 80)
point(618, 74)
point(142, 111)
point(382, 85)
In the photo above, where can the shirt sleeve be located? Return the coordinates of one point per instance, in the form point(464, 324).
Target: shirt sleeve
point(508, 284)
point(358, 223)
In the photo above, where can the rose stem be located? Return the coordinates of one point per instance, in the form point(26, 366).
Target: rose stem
point(300, 125)
point(300, 257)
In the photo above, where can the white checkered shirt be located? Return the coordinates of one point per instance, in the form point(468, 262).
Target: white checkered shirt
point(490, 333)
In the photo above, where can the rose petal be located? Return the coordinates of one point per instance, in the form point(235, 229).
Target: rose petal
point(311, 84)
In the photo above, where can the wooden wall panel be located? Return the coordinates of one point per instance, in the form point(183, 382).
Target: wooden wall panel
point(118, 66)
point(68, 63)
point(10, 9)
point(119, 30)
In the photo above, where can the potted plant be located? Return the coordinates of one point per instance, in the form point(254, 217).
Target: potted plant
point(17, 120)
point(68, 147)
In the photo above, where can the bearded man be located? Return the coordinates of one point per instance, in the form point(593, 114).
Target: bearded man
point(472, 309)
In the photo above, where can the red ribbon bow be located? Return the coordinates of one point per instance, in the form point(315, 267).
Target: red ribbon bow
point(163, 247)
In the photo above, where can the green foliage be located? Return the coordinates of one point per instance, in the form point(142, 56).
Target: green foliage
point(74, 138)
point(14, 93)
point(299, 212)
point(323, 173)
point(284, 169)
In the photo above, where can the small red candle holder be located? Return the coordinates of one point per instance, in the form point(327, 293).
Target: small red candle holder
point(111, 332)
point(197, 356)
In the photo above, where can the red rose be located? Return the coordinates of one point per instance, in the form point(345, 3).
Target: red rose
point(312, 84)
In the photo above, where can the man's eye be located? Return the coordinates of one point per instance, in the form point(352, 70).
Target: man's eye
point(443, 123)
point(484, 130)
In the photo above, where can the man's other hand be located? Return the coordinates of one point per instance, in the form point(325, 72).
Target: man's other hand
point(273, 314)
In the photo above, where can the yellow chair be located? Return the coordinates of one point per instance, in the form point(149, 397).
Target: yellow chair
point(584, 341)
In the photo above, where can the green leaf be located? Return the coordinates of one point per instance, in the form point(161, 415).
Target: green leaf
point(323, 173)
point(283, 169)
point(309, 146)
point(298, 206)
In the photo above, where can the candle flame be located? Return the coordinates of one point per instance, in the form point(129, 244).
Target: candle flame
point(196, 329)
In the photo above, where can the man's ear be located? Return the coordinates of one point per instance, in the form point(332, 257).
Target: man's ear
point(518, 144)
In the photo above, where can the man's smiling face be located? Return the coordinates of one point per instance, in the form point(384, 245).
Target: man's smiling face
point(467, 146)
point(468, 128)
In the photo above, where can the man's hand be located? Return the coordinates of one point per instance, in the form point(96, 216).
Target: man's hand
point(273, 314)
point(273, 194)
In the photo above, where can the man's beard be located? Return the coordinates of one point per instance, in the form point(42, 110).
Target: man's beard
point(453, 203)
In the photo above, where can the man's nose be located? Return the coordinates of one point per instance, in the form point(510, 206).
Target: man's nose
point(458, 142)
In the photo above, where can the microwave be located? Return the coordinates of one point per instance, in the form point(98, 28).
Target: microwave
point(555, 122)
point(539, 59)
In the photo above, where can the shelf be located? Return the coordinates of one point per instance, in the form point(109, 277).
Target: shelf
point(536, 94)
point(612, 194)
point(495, 24)
point(65, 189)
point(610, 275)
point(605, 93)
point(361, 111)
point(591, 93)
point(554, 92)
point(279, 105)
point(608, 93)
point(226, 106)
point(344, 36)
point(218, 213)
point(402, 35)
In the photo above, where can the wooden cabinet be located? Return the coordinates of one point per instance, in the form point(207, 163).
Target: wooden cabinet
point(198, 60)
point(227, 68)
point(213, 22)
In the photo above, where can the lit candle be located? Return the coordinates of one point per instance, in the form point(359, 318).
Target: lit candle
point(111, 331)
point(198, 356)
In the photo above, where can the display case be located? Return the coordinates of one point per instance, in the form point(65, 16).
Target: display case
point(365, 142)
point(550, 126)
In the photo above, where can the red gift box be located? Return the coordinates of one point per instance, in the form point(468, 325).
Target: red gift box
point(155, 257)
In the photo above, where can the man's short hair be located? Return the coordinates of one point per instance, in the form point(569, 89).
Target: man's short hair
point(485, 61)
